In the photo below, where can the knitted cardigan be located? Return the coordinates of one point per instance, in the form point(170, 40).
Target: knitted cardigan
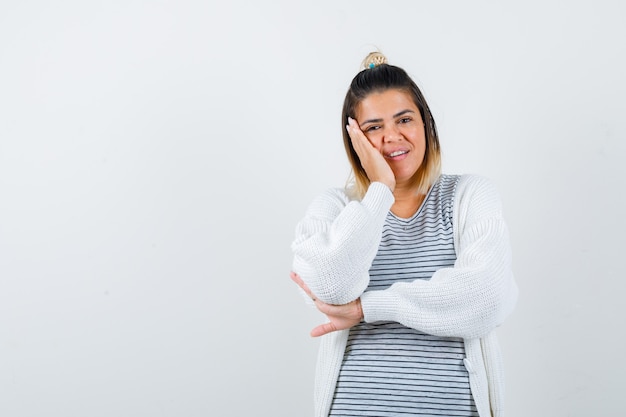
point(333, 250)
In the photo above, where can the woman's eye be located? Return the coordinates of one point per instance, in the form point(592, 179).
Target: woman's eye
point(372, 128)
point(405, 120)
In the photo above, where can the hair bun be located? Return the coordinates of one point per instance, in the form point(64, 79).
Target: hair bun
point(374, 59)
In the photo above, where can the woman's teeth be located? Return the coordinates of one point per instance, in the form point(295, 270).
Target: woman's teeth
point(396, 153)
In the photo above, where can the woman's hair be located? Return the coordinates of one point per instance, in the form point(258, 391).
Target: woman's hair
point(376, 77)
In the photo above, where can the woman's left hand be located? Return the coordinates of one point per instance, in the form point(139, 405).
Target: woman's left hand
point(340, 317)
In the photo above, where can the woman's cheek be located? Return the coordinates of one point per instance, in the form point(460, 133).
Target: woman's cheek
point(375, 141)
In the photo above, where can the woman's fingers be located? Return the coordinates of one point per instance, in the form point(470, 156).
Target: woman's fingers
point(362, 146)
point(323, 329)
point(373, 162)
point(296, 278)
point(340, 316)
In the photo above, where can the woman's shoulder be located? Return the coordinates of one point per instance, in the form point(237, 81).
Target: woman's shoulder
point(377, 198)
point(471, 182)
point(478, 192)
point(462, 184)
point(338, 195)
point(329, 201)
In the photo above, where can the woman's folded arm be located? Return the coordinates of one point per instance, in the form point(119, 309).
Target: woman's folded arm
point(337, 240)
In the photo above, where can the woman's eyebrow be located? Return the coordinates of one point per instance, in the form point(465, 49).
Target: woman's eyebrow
point(400, 113)
point(372, 121)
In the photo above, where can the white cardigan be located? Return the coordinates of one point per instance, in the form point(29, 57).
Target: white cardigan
point(333, 250)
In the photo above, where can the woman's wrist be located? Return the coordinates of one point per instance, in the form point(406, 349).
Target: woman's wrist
point(360, 308)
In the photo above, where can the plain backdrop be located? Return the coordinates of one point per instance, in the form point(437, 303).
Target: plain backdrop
point(155, 157)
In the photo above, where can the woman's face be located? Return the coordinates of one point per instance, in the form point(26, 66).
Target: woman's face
point(394, 126)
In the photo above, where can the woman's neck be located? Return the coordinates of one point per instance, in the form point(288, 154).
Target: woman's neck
point(407, 201)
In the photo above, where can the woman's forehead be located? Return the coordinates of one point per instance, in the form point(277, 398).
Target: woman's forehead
point(385, 103)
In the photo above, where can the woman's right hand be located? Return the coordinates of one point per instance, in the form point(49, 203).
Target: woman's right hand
point(372, 160)
point(340, 317)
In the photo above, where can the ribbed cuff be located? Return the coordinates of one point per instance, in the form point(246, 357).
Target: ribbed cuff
point(378, 306)
point(378, 198)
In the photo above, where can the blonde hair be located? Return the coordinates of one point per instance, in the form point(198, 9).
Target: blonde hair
point(372, 59)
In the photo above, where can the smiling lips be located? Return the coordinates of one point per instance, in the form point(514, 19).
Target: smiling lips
point(397, 153)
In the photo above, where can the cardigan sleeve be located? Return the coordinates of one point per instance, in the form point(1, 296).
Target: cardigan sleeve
point(475, 295)
point(337, 240)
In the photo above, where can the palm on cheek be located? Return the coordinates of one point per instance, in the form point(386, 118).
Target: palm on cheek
point(373, 162)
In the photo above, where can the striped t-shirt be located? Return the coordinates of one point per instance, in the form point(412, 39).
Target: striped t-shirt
point(392, 370)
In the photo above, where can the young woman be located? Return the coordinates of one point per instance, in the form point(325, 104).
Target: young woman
point(411, 267)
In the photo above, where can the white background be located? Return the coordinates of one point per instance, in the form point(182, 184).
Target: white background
point(155, 157)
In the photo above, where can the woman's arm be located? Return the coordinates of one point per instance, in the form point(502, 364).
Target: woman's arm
point(471, 298)
point(337, 240)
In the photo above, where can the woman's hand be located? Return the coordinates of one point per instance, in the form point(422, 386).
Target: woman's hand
point(340, 317)
point(373, 162)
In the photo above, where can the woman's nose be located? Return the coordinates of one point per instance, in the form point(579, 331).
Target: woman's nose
point(392, 133)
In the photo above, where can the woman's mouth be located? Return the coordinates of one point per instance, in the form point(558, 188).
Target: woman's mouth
point(397, 153)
